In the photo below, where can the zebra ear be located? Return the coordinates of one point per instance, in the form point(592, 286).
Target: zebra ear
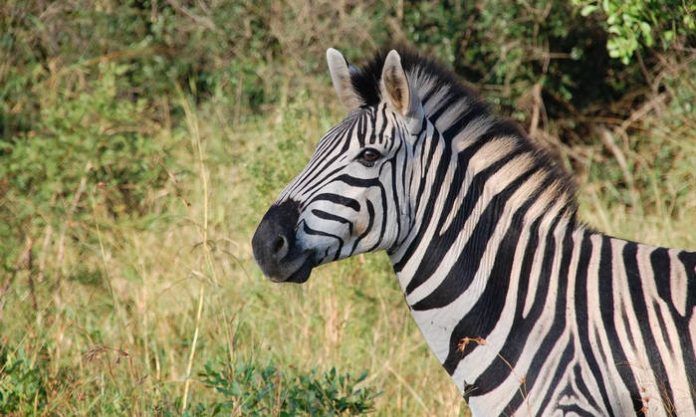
point(395, 88)
point(340, 77)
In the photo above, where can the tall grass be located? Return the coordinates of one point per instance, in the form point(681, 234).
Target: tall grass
point(142, 298)
point(134, 321)
point(140, 311)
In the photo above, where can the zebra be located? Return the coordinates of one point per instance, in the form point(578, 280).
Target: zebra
point(531, 312)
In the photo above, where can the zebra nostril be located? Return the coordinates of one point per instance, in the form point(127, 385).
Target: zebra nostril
point(280, 245)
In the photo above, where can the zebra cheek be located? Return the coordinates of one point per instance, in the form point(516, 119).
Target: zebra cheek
point(360, 227)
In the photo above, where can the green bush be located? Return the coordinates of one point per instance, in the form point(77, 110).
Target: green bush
point(89, 93)
point(507, 46)
point(249, 390)
point(636, 24)
point(88, 147)
point(22, 384)
point(243, 388)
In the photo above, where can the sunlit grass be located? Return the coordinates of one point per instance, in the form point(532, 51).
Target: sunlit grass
point(117, 330)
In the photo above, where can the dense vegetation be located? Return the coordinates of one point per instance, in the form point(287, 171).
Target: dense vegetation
point(141, 140)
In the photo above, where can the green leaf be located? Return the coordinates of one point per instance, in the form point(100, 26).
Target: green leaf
point(588, 9)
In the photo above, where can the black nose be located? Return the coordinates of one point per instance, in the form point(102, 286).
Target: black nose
point(275, 237)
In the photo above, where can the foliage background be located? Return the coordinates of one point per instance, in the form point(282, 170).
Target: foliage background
point(140, 141)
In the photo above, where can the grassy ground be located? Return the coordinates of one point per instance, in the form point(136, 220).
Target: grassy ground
point(129, 328)
point(113, 314)
point(138, 309)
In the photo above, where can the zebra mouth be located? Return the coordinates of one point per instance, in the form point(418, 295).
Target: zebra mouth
point(301, 267)
point(302, 274)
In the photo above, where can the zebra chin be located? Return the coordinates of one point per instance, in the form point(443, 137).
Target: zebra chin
point(275, 248)
point(296, 271)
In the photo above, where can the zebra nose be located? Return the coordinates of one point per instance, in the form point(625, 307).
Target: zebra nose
point(274, 238)
point(280, 247)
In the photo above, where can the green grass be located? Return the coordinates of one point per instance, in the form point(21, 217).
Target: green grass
point(127, 284)
point(116, 321)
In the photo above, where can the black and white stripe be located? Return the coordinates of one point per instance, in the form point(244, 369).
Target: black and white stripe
point(529, 311)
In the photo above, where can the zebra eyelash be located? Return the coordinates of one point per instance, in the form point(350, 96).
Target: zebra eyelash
point(369, 156)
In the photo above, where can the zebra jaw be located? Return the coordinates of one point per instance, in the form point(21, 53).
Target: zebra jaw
point(302, 267)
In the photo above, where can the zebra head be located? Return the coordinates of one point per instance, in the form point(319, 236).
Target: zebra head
point(350, 198)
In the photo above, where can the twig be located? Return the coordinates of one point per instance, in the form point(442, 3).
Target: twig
point(480, 341)
point(643, 69)
point(201, 20)
point(536, 109)
point(192, 353)
point(48, 233)
point(5, 287)
point(193, 126)
point(607, 138)
point(71, 212)
point(608, 141)
point(29, 264)
point(642, 111)
point(24, 261)
point(408, 387)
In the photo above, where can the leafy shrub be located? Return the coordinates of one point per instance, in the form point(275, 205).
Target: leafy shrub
point(507, 47)
point(89, 146)
point(250, 390)
point(636, 24)
point(22, 387)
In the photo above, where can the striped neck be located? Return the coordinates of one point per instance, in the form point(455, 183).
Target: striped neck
point(483, 193)
point(471, 172)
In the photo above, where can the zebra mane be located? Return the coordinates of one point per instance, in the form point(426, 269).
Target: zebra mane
point(451, 105)
point(366, 79)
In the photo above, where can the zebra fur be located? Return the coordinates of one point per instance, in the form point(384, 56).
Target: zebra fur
point(530, 312)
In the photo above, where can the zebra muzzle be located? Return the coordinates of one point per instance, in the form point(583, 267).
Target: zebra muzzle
point(275, 248)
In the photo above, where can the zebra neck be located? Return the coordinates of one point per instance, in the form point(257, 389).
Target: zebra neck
point(470, 199)
point(469, 299)
point(464, 272)
point(463, 257)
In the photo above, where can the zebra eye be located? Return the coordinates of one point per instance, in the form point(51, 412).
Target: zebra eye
point(369, 156)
